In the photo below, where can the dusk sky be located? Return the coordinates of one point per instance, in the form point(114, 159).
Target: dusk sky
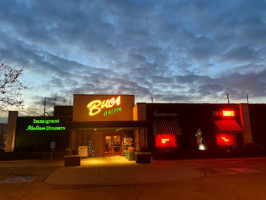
point(175, 51)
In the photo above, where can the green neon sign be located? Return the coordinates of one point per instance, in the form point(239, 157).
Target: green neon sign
point(112, 111)
point(43, 125)
point(45, 121)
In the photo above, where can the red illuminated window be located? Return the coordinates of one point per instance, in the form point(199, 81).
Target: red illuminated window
point(225, 139)
point(228, 113)
point(165, 140)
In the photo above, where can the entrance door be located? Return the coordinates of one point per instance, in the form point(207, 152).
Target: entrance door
point(112, 145)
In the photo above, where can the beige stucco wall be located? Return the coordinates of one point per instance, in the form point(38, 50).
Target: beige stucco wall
point(82, 138)
point(11, 131)
point(140, 138)
point(245, 122)
point(81, 112)
point(129, 112)
point(139, 112)
point(136, 137)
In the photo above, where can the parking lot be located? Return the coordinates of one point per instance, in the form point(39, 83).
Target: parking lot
point(117, 178)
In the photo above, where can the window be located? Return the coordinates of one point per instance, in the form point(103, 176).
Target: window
point(225, 139)
point(166, 140)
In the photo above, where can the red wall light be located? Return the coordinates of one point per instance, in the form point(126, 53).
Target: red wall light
point(228, 113)
point(225, 139)
point(165, 140)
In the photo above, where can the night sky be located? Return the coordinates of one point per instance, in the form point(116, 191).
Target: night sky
point(176, 51)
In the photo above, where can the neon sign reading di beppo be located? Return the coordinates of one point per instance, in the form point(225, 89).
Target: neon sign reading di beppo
point(96, 106)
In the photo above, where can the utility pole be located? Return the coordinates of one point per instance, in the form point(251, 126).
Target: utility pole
point(151, 99)
point(44, 104)
point(247, 99)
point(228, 98)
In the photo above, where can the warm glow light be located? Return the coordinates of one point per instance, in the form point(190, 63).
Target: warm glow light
point(202, 147)
point(225, 139)
point(96, 106)
point(165, 140)
point(228, 113)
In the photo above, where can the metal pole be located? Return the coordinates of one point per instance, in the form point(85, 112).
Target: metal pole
point(70, 142)
point(51, 157)
point(44, 104)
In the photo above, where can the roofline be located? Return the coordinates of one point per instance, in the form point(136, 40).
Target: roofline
point(103, 95)
point(192, 103)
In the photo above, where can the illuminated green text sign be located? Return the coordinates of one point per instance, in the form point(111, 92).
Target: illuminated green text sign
point(112, 111)
point(45, 125)
point(46, 121)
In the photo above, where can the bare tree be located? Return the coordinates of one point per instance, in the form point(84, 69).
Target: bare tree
point(10, 86)
point(54, 100)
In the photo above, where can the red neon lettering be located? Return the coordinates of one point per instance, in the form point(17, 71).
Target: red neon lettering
point(225, 139)
point(165, 140)
point(228, 113)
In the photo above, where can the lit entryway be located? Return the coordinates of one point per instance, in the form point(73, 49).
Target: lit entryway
point(112, 145)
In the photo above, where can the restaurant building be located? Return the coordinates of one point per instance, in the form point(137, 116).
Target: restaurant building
point(106, 125)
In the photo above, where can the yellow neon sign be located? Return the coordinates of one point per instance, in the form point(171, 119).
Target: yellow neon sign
point(228, 113)
point(165, 140)
point(225, 139)
point(96, 106)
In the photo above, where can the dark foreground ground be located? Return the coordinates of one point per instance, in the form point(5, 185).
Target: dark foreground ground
point(243, 178)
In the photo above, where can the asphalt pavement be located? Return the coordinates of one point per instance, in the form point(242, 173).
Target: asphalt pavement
point(116, 178)
point(105, 171)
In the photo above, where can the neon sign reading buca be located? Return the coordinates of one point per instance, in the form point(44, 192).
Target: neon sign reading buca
point(96, 106)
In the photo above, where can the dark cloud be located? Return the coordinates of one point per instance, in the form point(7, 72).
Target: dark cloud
point(176, 51)
point(241, 54)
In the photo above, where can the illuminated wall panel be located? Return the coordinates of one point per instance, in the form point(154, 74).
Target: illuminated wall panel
point(225, 139)
point(166, 140)
point(103, 107)
point(35, 134)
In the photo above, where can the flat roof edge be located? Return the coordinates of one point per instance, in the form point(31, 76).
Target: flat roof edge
point(103, 95)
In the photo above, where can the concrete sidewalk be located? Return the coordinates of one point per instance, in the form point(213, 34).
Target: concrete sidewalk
point(118, 171)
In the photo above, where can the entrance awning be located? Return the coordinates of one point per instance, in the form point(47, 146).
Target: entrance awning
point(228, 126)
point(166, 127)
point(105, 125)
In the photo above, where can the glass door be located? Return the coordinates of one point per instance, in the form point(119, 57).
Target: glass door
point(116, 145)
point(112, 145)
point(107, 145)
